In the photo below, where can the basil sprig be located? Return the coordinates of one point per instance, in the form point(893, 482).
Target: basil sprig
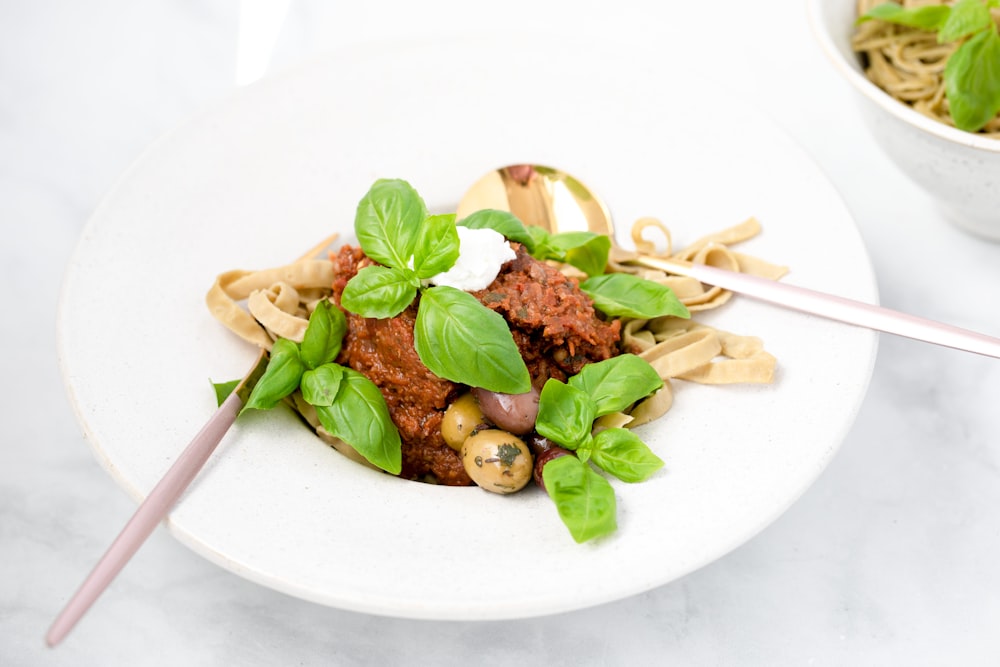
point(586, 251)
point(584, 499)
point(625, 295)
point(348, 404)
point(455, 336)
point(394, 229)
point(614, 294)
point(972, 72)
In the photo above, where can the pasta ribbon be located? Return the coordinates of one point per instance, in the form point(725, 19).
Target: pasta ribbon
point(683, 349)
point(277, 310)
point(279, 300)
point(712, 249)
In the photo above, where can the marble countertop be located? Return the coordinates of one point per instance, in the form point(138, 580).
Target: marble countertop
point(890, 557)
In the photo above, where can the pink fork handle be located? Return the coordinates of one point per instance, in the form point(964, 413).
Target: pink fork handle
point(847, 310)
point(149, 514)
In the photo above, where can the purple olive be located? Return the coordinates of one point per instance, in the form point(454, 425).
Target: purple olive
point(544, 457)
point(539, 443)
point(515, 413)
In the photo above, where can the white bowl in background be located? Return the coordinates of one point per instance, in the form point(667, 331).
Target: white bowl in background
point(960, 170)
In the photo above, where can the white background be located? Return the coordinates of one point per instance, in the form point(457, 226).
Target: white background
point(891, 557)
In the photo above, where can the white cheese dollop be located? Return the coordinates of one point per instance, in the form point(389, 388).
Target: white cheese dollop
point(481, 254)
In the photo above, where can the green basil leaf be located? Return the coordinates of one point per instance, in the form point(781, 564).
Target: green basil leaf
point(542, 249)
point(504, 222)
point(437, 246)
point(584, 250)
point(584, 451)
point(320, 385)
point(322, 338)
point(621, 453)
point(388, 220)
point(462, 340)
point(360, 417)
point(928, 17)
point(625, 295)
point(972, 81)
point(565, 414)
point(966, 17)
point(616, 383)
point(224, 389)
point(569, 240)
point(585, 500)
point(281, 377)
point(379, 291)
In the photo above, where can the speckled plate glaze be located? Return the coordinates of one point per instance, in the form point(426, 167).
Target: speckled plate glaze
point(262, 177)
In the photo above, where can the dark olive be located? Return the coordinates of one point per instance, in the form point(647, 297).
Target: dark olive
point(539, 443)
point(553, 452)
point(515, 413)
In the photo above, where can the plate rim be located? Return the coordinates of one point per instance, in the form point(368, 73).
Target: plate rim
point(428, 612)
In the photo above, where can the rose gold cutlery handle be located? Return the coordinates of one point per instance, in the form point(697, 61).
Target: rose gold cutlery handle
point(833, 307)
point(149, 514)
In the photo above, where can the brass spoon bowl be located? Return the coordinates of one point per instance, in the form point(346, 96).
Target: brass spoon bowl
point(558, 202)
point(540, 196)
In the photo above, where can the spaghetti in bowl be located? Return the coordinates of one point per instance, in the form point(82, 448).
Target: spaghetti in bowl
point(958, 169)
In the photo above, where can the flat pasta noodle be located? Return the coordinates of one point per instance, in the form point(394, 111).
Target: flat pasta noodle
point(654, 407)
point(909, 63)
point(612, 420)
point(278, 303)
point(683, 352)
point(279, 300)
point(712, 249)
point(278, 310)
point(683, 349)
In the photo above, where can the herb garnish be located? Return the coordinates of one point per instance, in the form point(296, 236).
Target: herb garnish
point(349, 405)
point(614, 294)
point(625, 295)
point(584, 499)
point(972, 72)
point(586, 251)
point(460, 339)
point(455, 336)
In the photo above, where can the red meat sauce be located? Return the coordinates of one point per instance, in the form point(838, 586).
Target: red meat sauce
point(553, 323)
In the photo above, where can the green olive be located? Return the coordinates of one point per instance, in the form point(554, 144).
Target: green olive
point(497, 461)
point(460, 419)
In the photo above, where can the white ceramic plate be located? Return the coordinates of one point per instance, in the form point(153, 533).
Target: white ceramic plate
point(258, 180)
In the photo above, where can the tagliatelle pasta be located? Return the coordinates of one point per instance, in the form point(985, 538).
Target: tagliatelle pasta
point(278, 304)
point(713, 250)
point(682, 348)
point(279, 300)
point(532, 369)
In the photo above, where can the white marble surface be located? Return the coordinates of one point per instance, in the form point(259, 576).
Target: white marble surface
point(890, 558)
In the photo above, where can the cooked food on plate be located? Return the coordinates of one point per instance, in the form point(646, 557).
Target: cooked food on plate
point(941, 58)
point(485, 352)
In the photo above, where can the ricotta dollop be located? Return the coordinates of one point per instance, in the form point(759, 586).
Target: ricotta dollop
point(481, 254)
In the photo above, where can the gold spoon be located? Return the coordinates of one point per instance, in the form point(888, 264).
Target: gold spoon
point(558, 202)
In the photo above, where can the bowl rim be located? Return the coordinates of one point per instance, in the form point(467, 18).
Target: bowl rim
point(890, 104)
